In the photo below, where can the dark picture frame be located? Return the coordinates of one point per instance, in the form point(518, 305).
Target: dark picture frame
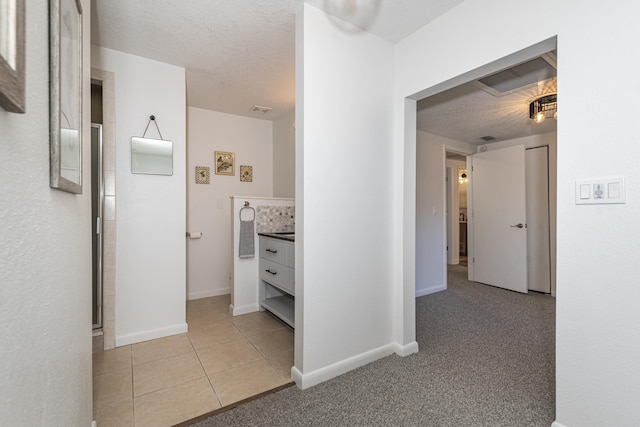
point(12, 52)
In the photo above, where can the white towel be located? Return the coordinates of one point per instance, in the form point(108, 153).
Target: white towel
point(247, 242)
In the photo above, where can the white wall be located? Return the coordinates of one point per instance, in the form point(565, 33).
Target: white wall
point(597, 346)
point(284, 155)
point(209, 258)
point(45, 257)
point(344, 123)
point(431, 238)
point(150, 213)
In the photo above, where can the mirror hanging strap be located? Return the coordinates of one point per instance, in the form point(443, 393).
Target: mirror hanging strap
point(152, 118)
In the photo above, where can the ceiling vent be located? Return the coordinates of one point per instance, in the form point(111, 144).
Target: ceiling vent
point(520, 77)
point(488, 138)
point(260, 109)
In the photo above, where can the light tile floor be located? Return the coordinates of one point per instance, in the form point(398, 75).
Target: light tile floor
point(221, 360)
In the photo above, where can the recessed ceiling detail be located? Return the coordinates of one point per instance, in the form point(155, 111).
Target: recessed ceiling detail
point(520, 77)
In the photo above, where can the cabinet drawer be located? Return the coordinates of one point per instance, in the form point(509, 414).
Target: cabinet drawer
point(278, 275)
point(277, 250)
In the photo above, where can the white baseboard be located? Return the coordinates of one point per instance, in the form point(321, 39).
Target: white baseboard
point(208, 293)
point(557, 424)
point(430, 290)
point(244, 309)
point(323, 374)
point(406, 350)
point(151, 334)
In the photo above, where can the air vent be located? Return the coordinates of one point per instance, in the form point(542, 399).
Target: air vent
point(488, 138)
point(519, 77)
point(260, 109)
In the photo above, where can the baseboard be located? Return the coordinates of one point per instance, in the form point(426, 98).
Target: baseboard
point(323, 374)
point(557, 424)
point(244, 309)
point(406, 350)
point(430, 290)
point(207, 294)
point(151, 334)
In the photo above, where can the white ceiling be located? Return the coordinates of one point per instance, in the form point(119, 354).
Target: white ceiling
point(240, 53)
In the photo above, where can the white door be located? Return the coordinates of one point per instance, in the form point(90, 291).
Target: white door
point(538, 249)
point(499, 218)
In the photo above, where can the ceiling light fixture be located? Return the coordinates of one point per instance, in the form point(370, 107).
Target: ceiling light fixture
point(462, 178)
point(543, 107)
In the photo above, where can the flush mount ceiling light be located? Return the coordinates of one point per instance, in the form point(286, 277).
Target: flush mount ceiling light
point(543, 107)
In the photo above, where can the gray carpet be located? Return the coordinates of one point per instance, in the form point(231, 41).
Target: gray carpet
point(486, 358)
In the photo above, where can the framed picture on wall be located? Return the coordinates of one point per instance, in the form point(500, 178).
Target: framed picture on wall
point(225, 163)
point(246, 173)
point(12, 55)
point(65, 89)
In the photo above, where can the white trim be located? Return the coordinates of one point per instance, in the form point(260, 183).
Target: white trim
point(406, 350)
point(430, 290)
point(244, 309)
point(151, 334)
point(318, 376)
point(209, 293)
point(557, 424)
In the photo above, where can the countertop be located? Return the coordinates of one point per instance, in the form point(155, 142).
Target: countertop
point(289, 236)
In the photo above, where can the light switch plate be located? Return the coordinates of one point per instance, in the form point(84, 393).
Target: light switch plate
point(601, 191)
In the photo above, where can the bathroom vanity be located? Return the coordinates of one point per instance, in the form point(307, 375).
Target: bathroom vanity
point(277, 278)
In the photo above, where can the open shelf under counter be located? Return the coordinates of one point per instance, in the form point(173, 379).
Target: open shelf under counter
point(281, 307)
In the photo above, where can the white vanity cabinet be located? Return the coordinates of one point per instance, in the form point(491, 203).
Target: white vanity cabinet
point(276, 286)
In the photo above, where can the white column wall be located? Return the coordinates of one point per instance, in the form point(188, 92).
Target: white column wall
point(597, 376)
point(284, 156)
point(151, 209)
point(345, 173)
point(45, 255)
point(209, 206)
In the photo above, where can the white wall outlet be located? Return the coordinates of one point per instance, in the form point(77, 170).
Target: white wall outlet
point(601, 191)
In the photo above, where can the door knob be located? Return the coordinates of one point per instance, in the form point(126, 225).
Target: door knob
point(519, 225)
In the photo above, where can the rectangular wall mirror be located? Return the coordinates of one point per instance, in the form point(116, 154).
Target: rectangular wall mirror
point(151, 156)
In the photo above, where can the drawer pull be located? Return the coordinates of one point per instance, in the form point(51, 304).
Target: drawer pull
point(271, 272)
point(273, 251)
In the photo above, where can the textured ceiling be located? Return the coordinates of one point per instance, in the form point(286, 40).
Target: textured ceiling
point(237, 53)
point(240, 53)
point(467, 113)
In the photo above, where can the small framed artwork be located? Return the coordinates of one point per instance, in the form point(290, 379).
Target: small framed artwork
point(225, 163)
point(246, 173)
point(203, 175)
point(12, 55)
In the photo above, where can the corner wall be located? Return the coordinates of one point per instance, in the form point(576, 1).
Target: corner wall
point(284, 156)
point(150, 213)
point(45, 256)
point(209, 205)
point(344, 124)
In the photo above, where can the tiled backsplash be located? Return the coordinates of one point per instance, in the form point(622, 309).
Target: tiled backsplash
point(275, 219)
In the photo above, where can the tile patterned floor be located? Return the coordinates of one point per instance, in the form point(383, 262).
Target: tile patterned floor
point(221, 360)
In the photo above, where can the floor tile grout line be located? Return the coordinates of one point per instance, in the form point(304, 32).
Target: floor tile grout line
point(133, 402)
